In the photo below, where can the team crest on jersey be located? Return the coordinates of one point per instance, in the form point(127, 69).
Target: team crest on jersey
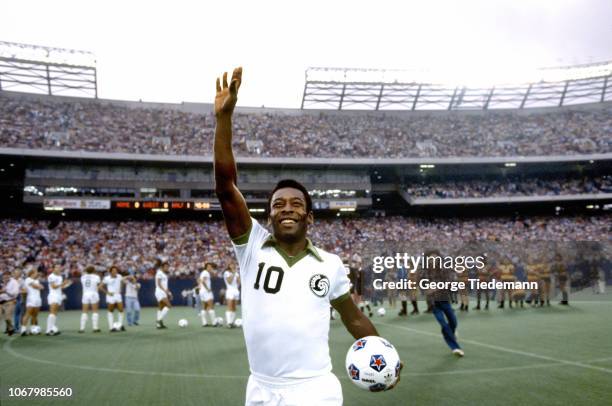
point(353, 372)
point(359, 344)
point(377, 362)
point(319, 285)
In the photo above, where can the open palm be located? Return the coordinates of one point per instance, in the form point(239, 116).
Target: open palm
point(227, 96)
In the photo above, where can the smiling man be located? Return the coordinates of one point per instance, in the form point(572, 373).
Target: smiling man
point(287, 283)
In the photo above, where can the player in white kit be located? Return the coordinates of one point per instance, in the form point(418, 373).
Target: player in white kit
point(111, 286)
point(162, 294)
point(33, 302)
point(55, 298)
point(90, 282)
point(232, 294)
point(206, 297)
point(287, 283)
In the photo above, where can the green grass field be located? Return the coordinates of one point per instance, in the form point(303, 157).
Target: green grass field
point(548, 356)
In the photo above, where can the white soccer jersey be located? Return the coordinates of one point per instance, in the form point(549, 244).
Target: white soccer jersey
point(163, 281)
point(285, 306)
point(204, 282)
point(113, 285)
point(90, 282)
point(234, 284)
point(56, 280)
point(32, 293)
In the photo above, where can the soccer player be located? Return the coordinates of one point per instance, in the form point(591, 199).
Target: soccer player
point(483, 275)
point(533, 276)
point(111, 286)
point(162, 294)
point(545, 284)
point(507, 275)
point(206, 296)
point(287, 283)
point(232, 294)
point(9, 290)
point(90, 282)
point(56, 284)
point(562, 276)
point(33, 302)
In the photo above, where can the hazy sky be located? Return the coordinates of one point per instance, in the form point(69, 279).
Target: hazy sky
point(172, 51)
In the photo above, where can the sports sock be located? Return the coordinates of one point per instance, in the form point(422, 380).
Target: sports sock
point(212, 315)
point(227, 318)
point(94, 321)
point(163, 313)
point(203, 317)
point(50, 322)
point(158, 315)
point(233, 317)
point(83, 321)
point(404, 306)
point(109, 316)
point(120, 318)
point(415, 305)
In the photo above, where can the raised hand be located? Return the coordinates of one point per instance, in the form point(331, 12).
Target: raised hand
point(227, 96)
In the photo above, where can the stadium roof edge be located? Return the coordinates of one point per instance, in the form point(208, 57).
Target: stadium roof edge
point(303, 162)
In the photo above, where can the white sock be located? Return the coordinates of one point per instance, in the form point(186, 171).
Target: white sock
point(203, 317)
point(163, 313)
point(94, 320)
point(120, 318)
point(23, 329)
point(212, 316)
point(228, 317)
point(109, 315)
point(233, 317)
point(83, 321)
point(158, 315)
point(50, 322)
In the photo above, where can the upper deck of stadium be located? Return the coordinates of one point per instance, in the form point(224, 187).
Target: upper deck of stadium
point(57, 123)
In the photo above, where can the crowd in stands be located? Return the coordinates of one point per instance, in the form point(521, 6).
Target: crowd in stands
point(97, 126)
point(187, 245)
point(511, 187)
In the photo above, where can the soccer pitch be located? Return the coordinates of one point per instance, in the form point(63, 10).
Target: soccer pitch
point(545, 356)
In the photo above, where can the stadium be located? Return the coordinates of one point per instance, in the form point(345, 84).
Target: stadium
point(393, 162)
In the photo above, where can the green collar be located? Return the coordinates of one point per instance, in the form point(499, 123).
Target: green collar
point(310, 249)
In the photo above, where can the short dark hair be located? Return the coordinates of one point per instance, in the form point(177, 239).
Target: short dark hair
point(293, 184)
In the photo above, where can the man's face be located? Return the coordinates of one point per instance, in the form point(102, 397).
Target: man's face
point(288, 215)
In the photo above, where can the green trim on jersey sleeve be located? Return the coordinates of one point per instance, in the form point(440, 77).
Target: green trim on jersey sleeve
point(244, 238)
point(341, 298)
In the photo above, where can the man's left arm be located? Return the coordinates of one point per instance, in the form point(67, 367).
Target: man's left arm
point(354, 320)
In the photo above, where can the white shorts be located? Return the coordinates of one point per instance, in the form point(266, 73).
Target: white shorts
point(90, 298)
point(321, 391)
point(54, 299)
point(114, 298)
point(205, 296)
point(160, 295)
point(232, 294)
point(33, 302)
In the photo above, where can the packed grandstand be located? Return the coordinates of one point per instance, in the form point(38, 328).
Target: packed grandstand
point(90, 125)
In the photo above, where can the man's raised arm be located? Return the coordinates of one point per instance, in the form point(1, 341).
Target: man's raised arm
point(235, 210)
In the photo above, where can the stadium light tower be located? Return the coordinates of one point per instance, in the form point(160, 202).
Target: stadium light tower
point(54, 71)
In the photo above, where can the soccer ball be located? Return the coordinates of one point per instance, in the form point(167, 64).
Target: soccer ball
point(372, 363)
point(238, 322)
point(381, 311)
point(117, 325)
point(35, 330)
point(183, 323)
point(219, 321)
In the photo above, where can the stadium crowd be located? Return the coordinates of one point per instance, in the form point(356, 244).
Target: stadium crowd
point(104, 127)
point(511, 187)
point(134, 246)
